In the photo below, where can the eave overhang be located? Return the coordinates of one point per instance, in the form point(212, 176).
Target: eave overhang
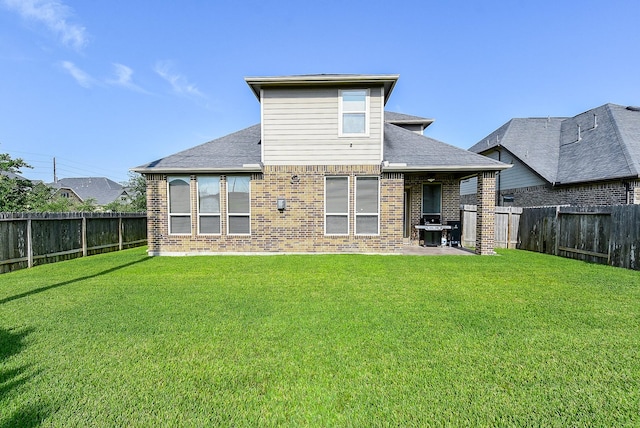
point(443, 168)
point(220, 170)
point(388, 81)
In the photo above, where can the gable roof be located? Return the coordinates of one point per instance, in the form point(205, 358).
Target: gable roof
point(607, 145)
point(533, 140)
point(405, 150)
point(102, 189)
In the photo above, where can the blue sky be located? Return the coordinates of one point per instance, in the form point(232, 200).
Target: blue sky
point(107, 85)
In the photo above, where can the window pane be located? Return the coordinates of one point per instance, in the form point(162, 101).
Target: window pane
point(210, 224)
point(367, 195)
point(239, 224)
point(354, 100)
point(209, 194)
point(179, 200)
point(337, 194)
point(353, 123)
point(238, 193)
point(431, 195)
point(367, 224)
point(180, 224)
point(337, 224)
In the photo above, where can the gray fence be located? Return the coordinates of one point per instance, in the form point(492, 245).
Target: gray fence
point(31, 239)
point(607, 235)
point(506, 226)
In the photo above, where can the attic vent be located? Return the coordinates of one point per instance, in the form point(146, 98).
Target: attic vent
point(633, 108)
point(595, 121)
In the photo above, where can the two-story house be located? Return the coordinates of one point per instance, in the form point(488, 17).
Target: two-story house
point(326, 170)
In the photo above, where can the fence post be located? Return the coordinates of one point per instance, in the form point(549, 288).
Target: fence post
point(84, 236)
point(29, 244)
point(509, 215)
point(120, 232)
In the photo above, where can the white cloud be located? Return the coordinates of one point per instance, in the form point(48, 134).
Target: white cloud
point(124, 78)
point(54, 15)
point(83, 79)
point(179, 83)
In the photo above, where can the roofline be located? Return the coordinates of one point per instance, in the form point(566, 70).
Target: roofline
point(248, 168)
point(444, 168)
point(425, 122)
point(387, 80)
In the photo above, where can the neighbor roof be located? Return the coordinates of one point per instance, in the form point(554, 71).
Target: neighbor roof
point(600, 144)
point(102, 189)
point(386, 80)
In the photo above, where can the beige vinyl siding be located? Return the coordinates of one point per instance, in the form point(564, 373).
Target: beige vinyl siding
point(300, 127)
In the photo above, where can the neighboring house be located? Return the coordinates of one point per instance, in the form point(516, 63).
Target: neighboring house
point(589, 159)
point(102, 190)
point(326, 170)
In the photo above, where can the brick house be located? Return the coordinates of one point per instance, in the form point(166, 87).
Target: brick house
point(589, 159)
point(326, 170)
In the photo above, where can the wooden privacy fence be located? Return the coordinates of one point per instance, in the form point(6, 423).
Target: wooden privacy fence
point(506, 226)
point(608, 235)
point(31, 239)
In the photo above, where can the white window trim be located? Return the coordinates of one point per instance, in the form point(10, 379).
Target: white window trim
point(367, 114)
point(229, 215)
point(199, 214)
point(355, 199)
point(169, 213)
point(337, 214)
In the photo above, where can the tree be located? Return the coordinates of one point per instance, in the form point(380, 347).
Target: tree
point(14, 190)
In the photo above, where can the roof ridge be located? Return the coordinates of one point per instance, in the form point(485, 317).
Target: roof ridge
point(623, 146)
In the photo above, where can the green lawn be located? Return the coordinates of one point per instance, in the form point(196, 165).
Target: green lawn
point(120, 339)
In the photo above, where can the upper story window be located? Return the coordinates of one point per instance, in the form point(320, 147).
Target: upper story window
point(179, 205)
point(238, 205)
point(354, 112)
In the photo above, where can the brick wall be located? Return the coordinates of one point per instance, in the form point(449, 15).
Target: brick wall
point(603, 193)
point(298, 228)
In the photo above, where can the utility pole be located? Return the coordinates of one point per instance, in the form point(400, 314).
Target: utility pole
point(55, 177)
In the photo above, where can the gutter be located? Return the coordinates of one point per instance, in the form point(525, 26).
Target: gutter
point(244, 168)
point(443, 168)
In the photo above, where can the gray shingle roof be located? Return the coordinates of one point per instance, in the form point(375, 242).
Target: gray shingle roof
point(229, 152)
point(401, 146)
point(417, 151)
point(552, 148)
point(534, 141)
point(101, 189)
point(398, 118)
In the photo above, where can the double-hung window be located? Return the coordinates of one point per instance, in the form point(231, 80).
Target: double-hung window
point(367, 206)
point(179, 205)
point(209, 205)
point(354, 112)
point(336, 206)
point(238, 205)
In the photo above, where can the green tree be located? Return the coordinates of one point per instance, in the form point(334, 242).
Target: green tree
point(14, 190)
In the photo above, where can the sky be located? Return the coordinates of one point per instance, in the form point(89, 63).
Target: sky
point(107, 85)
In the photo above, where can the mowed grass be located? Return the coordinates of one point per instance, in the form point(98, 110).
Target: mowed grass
point(519, 339)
